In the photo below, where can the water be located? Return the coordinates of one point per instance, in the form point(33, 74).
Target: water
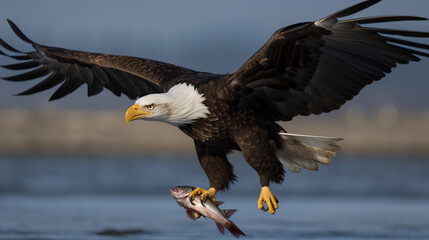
point(62, 197)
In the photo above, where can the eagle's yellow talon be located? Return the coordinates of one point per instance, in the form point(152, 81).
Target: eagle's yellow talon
point(204, 194)
point(197, 215)
point(269, 199)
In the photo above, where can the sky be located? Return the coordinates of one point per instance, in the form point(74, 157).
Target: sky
point(212, 36)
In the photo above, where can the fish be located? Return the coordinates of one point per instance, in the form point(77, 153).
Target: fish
point(208, 209)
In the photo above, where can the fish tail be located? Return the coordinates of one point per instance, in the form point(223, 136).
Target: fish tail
point(235, 230)
point(221, 228)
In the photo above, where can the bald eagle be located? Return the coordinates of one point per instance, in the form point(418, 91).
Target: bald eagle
point(306, 68)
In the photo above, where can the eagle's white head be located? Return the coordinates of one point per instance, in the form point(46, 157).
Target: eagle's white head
point(182, 104)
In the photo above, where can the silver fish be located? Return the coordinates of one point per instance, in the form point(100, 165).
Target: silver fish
point(208, 209)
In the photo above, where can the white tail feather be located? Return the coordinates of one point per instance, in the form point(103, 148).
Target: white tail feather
point(303, 151)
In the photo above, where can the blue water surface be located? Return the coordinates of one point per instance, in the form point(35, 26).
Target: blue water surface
point(117, 197)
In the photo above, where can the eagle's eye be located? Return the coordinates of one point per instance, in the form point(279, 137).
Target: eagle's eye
point(150, 107)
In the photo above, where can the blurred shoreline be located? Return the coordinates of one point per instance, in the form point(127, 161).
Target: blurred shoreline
point(106, 132)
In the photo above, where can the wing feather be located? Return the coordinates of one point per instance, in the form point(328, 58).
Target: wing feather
point(40, 72)
point(21, 66)
point(16, 57)
point(351, 10)
point(132, 76)
point(66, 88)
point(368, 20)
point(316, 67)
point(50, 82)
point(8, 47)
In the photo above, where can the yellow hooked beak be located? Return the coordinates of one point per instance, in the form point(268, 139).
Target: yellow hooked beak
point(134, 112)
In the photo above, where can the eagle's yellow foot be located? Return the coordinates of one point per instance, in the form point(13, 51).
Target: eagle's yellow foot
point(269, 199)
point(204, 194)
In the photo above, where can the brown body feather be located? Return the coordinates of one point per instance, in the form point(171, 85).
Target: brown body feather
point(230, 128)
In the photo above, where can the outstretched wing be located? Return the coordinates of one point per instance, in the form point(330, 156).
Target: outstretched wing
point(132, 76)
point(315, 67)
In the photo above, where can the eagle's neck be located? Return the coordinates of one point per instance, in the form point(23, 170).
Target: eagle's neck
point(186, 105)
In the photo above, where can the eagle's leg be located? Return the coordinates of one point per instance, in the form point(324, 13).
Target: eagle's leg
point(217, 167)
point(259, 150)
point(269, 199)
